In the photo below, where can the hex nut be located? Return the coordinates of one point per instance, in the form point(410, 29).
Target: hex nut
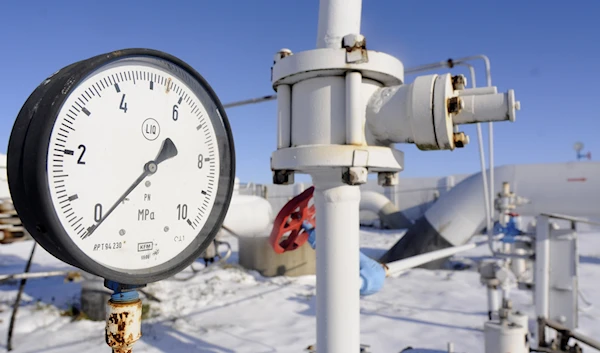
point(459, 82)
point(455, 105)
point(282, 53)
point(460, 139)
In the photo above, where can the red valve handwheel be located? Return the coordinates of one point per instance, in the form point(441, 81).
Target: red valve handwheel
point(289, 220)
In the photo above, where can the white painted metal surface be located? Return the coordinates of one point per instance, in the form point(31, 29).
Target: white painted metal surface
point(414, 261)
point(249, 215)
point(355, 117)
point(330, 90)
point(489, 107)
point(337, 18)
point(505, 337)
point(563, 282)
point(338, 301)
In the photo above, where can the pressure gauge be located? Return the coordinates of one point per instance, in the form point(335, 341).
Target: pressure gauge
point(123, 165)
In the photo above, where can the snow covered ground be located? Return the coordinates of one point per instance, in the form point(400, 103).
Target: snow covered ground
point(228, 309)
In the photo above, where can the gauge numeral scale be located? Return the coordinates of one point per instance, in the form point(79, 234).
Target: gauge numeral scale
point(123, 165)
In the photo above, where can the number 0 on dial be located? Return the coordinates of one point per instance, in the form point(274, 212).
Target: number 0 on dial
point(123, 165)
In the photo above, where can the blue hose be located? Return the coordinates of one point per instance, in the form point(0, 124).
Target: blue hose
point(372, 274)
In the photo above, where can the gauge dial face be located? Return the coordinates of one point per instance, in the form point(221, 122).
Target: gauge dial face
point(133, 164)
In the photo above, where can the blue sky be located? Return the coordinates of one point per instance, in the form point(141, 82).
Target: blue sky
point(546, 50)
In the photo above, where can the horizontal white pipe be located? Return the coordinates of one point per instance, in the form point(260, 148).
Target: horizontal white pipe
point(477, 91)
point(28, 275)
point(484, 108)
point(284, 116)
point(414, 261)
point(386, 210)
point(355, 117)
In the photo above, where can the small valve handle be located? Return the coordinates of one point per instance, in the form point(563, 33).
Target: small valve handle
point(289, 220)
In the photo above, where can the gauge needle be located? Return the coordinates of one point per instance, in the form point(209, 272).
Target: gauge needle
point(167, 151)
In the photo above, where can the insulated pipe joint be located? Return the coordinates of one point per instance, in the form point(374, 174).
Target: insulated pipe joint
point(425, 111)
point(419, 113)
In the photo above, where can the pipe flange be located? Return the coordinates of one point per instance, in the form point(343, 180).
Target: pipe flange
point(292, 69)
point(311, 157)
point(442, 119)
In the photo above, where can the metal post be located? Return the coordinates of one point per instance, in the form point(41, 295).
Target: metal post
point(542, 266)
point(336, 19)
point(338, 300)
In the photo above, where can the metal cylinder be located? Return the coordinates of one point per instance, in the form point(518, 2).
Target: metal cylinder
point(518, 266)
point(486, 108)
point(493, 299)
point(123, 325)
point(355, 109)
point(337, 18)
point(284, 117)
point(519, 318)
point(319, 112)
point(338, 301)
point(505, 337)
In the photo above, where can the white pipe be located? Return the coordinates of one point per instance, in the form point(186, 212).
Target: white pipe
point(338, 301)
point(487, 204)
point(414, 261)
point(284, 116)
point(386, 210)
point(542, 266)
point(489, 107)
point(355, 112)
point(492, 299)
point(337, 18)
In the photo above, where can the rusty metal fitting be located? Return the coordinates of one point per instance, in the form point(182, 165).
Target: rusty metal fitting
point(282, 53)
point(460, 139)
point(459, 82)
point(356, 48)
point(351, 41)
point(455, 105)
point(283, 177)
point(123, 325)
point(355, 175)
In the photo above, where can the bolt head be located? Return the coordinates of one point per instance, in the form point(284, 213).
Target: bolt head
point(353, 40)
point(388, 178)
point(282, 53)
point(355, 175)
point(283, 177)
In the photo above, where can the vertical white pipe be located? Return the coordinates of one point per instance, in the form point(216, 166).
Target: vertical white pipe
point(542, 266)
point(284, 116)
point(493, 300)
point(355, 116)
point(338, 300)
point(337, 18)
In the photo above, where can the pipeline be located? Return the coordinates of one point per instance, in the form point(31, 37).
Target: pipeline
point(388, 213)
point(566, 188)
